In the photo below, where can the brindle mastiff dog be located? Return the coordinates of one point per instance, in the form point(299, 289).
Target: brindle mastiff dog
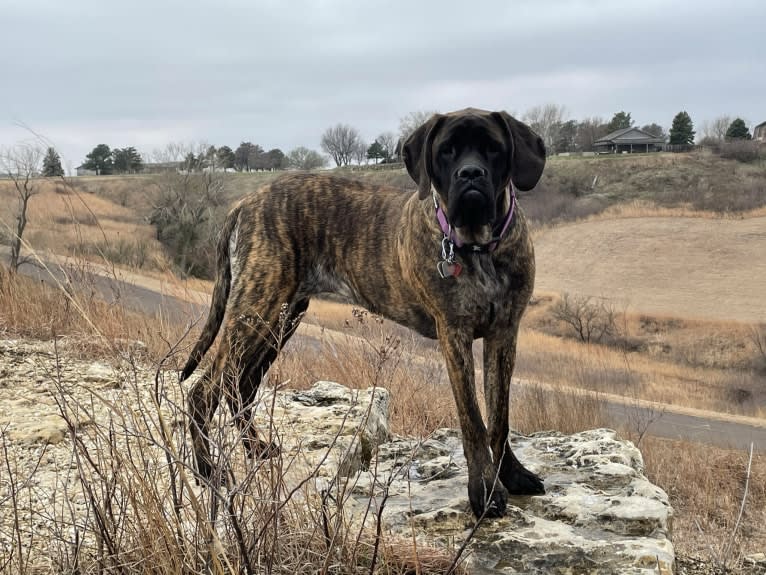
point(453, 262)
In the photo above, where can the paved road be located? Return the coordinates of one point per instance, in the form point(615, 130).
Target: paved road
point(721, 432)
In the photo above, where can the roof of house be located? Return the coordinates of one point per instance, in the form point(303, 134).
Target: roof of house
point(759, 126)
point(629, 136)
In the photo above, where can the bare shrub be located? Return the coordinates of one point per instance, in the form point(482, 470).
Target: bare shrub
point(590, 320)
point(549, 204)
point(758, 339)
point(128, 252)
point(187, 213)
point(744, 151)
point(21, 165)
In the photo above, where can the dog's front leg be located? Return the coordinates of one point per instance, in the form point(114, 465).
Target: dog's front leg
point(485, 492)
point(499, 359)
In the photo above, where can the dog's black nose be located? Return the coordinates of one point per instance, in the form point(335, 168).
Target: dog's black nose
point(471, 172)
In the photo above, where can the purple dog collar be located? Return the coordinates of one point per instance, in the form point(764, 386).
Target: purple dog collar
point(449, 233)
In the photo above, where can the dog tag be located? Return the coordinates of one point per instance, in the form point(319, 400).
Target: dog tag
point(447, 269)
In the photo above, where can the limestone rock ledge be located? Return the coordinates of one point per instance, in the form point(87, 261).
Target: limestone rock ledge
point(599, 514)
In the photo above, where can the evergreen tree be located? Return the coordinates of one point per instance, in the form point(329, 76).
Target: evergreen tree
point(52, 164)
point(655, 130)
point(682, 130)
point(566, 140)
point(190, 163)
point(375, 152)
point(738, 130)
point(245, 156)
point(99, 160)
point(126, 160)
point(619, 121)
point(225, 157)
point(275, 159)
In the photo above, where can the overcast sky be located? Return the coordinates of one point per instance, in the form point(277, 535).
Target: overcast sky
point(277, 73)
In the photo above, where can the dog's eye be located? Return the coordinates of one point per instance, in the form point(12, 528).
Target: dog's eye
point(447, 152)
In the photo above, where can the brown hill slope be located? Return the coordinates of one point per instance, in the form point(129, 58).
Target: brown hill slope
point(689, 267)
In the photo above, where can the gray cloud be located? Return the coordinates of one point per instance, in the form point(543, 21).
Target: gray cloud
point(278, 73)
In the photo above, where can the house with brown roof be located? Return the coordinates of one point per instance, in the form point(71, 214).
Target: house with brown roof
point(628, 140)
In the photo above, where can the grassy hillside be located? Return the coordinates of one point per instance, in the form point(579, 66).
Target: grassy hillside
point(571, 188)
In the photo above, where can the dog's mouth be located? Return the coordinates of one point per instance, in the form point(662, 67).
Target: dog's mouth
point(472, 215)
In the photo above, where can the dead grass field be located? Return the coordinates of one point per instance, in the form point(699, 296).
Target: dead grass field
point(674, 266)
point(64, 220)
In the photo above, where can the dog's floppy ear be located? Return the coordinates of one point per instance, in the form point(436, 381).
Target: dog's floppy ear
point(528, 157)
point(417, 154)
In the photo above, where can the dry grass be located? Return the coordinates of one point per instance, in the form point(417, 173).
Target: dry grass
point(133, 487)
point(67, 222)
point(29, 308)
point(679, 266)
point(707, 365)
point(706, 486)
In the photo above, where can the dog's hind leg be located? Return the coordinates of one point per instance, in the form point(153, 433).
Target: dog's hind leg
point(203, 400)
point(260, 348)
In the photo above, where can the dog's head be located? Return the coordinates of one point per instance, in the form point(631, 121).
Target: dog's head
point(469, 157)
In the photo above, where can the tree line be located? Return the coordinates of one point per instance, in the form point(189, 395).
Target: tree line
point(567, 135)
point(247, 157)
point(344, 145)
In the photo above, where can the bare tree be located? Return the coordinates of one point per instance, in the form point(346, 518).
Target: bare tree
point(590, 320)
point(302, 158)
point(412, 122)
point(341, 142)
point(716, 129)
point(188, 207)
point(21, 165)
point(360, 152)
point(546, 121)
point(387, 141)
point(188, 157)
point(588, 131)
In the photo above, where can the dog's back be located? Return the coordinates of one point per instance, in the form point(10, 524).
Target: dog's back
point(292, 224)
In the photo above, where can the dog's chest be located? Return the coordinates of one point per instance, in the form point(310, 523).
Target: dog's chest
point(482, 299)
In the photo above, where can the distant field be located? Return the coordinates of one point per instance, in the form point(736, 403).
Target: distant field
point(684, 267)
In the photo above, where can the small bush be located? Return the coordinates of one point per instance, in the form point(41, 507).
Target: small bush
point(591, 321)
point(758, 338)
point(745, 151)
point(188, 214)
point(131, 253)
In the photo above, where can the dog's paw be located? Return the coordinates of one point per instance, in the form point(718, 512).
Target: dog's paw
point(487, 497)
point(519, 480)
point(209, 476)
point(259, 449)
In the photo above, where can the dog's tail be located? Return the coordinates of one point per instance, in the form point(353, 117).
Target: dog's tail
point(220, 296)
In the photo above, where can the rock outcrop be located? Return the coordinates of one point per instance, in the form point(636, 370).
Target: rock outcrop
point(600, 514)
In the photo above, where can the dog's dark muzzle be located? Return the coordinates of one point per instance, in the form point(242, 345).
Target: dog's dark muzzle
point(472, 208)
point(472, 205)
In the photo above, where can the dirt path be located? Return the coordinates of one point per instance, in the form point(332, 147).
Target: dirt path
point(687, 267)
